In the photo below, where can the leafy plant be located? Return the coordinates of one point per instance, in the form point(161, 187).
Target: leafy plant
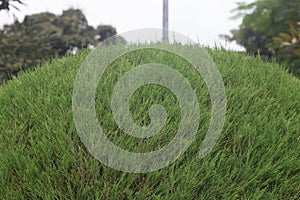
point(288, 46)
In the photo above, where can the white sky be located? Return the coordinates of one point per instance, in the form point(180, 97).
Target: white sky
point(201, 20)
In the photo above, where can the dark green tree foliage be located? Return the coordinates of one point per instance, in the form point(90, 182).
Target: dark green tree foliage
point(262, 21)
point(43, 36)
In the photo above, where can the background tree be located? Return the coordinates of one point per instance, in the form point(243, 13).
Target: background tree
point(262, 21)
point(43, 36)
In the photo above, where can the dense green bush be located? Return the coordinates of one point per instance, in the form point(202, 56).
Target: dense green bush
point(256, 157)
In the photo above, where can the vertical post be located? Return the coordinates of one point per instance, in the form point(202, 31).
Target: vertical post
point(165, 20)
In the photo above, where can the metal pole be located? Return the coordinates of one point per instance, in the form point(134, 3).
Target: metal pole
point(165, 20)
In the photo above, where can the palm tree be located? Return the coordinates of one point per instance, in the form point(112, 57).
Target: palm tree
point(5, 4)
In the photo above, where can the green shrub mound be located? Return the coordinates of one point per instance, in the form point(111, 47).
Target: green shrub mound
point(256, 157)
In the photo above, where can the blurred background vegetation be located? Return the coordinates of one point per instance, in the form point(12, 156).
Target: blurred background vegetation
point(270, 29)
point(40, 37)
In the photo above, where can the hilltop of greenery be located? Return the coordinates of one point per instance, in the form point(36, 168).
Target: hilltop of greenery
point(256, 157)
point(40, 37)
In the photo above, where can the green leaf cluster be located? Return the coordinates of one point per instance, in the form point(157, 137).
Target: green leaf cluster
point(288, 46)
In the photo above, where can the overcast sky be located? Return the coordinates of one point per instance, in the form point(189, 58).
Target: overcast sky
point(201, 20)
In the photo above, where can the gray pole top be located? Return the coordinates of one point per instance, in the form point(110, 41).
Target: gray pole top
point(165, 20)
